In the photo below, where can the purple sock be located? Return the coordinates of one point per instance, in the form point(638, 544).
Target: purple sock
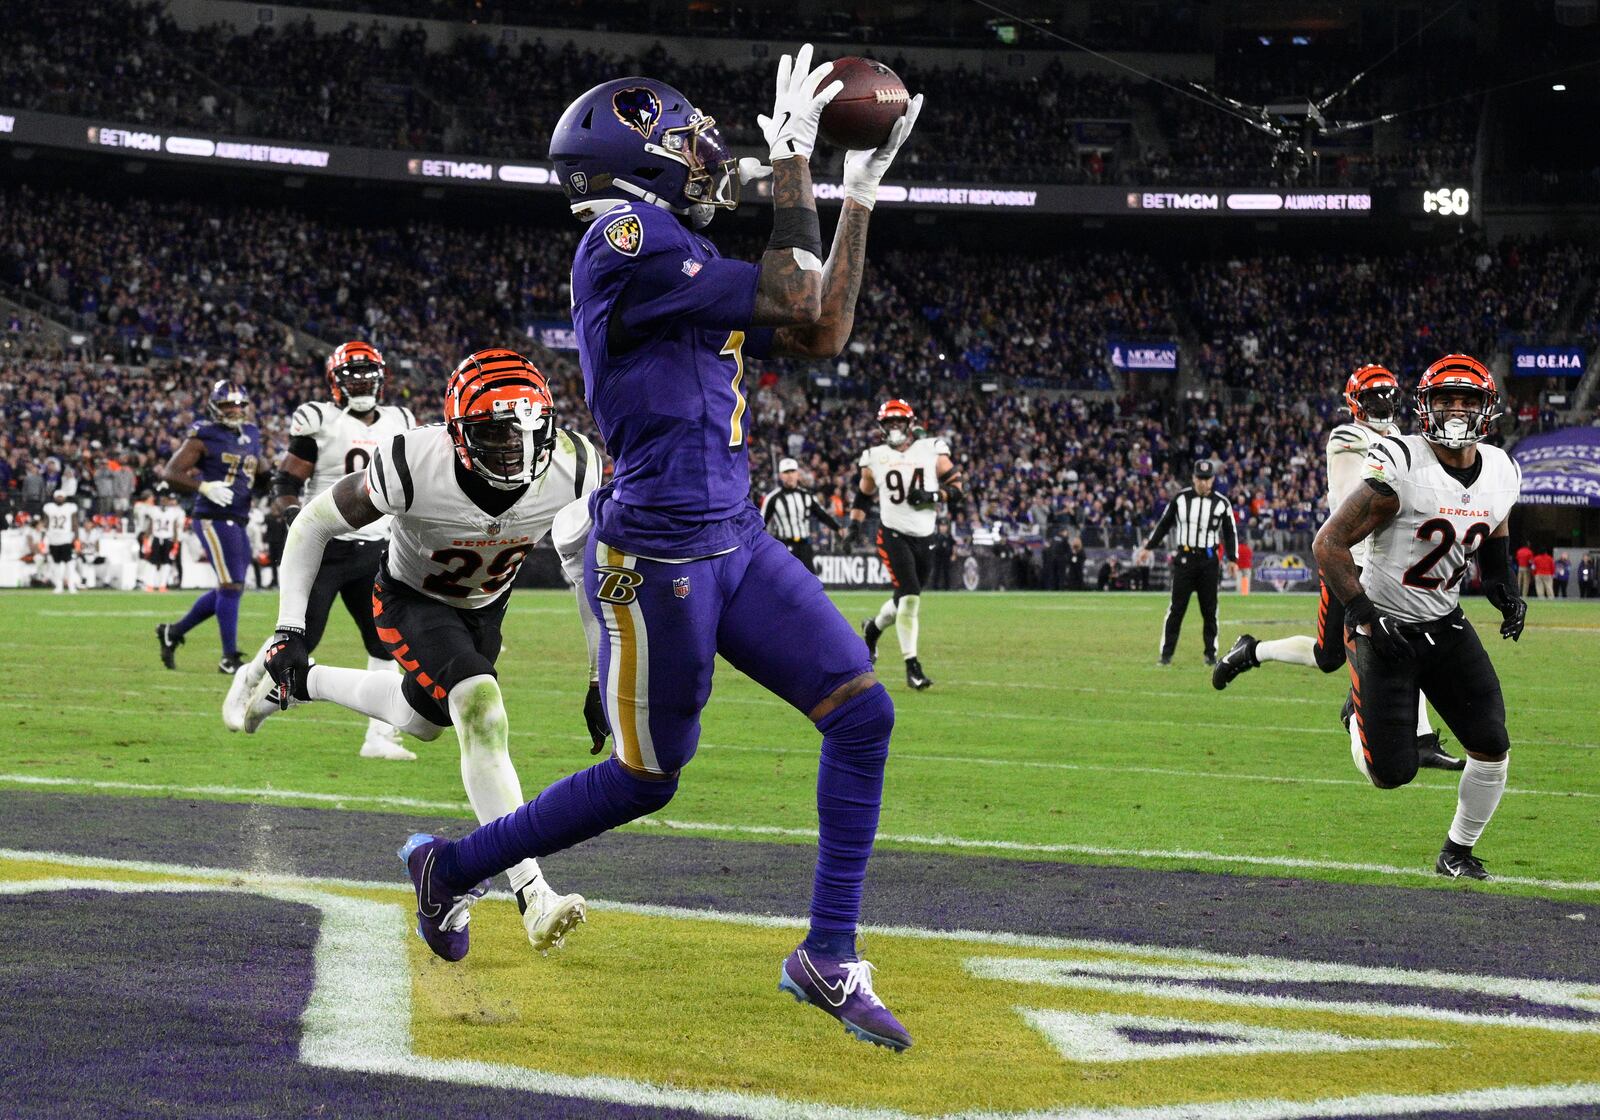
point(204, 607)
point(576, 808)
point(855, 747)
point(228, 618)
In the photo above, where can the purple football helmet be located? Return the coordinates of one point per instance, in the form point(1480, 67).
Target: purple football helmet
point(227, 403)
point(637, 138)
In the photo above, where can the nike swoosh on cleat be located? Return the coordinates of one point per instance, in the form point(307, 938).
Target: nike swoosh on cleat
point(828, 990)
point(423, 899)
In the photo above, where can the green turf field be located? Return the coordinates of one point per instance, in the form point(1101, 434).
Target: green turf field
point(1050, 733)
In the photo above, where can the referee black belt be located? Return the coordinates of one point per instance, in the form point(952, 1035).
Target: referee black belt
point(1185, 550)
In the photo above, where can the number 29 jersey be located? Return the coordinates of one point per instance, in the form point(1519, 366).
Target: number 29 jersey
point(898, 472)
point(440, 542)
point(344, 445)
point(1419, 558)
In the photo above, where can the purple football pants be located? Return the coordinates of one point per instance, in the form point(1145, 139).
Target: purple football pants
point(664, 624)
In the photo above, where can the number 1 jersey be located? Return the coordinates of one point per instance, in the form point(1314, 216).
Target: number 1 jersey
point(1419, 558)
point(443, 544)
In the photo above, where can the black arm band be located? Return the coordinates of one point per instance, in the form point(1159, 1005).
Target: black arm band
point(303, 447)
point(1494, 558)
point(863, 501)
point(286, 485)
point(796, 227)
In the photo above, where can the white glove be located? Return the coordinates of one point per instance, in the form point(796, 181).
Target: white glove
point(217, 492)
point(751, 169)
point(797, 106)
point(863, 171)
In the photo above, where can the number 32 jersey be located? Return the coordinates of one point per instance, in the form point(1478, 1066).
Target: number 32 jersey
point(1419, 558)
point(896, 473)
point(345, 445)
point(440, 542)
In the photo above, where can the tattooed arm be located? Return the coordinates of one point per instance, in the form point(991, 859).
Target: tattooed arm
point(841, 284)
point(1366, 510)
point(789, 288)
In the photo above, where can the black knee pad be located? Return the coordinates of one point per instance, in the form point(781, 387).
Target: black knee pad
point(1395, 768)
point(1330, 657)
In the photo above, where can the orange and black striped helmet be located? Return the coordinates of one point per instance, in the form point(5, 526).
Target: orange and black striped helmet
point(897, 418)
point(355, 376)
point(1456, 427)
point(501, 417)
point(1373, 395)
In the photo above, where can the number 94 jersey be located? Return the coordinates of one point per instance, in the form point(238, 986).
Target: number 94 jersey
point(896, 473)
point(440, 542)
point(1419, 559)
point(344, 445)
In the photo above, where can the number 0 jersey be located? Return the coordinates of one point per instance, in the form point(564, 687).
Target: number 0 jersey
point(896, 473)
point(1420, 557)
point(344, 445)
point(440, 542)
point(1347, 450)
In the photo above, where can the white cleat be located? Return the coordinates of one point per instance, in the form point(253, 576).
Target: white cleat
point(557, 914)
point(236, 707)
point(264, 703)
point(379, 745)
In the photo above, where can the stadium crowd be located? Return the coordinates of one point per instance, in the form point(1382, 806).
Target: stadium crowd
point(126, 60)
point(1002, 354)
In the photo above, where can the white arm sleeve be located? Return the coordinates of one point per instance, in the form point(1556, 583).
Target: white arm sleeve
point(1344, 475)
point(570, 534)
point(319, 522)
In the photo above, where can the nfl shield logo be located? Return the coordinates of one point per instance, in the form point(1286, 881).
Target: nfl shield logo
point(691, 267)
point(680, 587)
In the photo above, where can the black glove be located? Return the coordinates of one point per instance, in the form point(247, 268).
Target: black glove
point(287, 662)
point(290, 514)
point(594, 714)
point(1513, 609)
point(1384, 630)
point(852, 534)
point(919, 497)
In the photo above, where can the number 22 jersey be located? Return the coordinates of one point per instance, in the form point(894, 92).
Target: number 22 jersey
point(443, 544)
point(1419, 559)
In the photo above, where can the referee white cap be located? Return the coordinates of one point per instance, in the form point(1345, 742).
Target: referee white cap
point(787, 465)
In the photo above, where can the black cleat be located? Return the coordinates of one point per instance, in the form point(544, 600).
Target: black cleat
point(1431, 753)
point(1460, 865)
point(1240, 659)
point(1166, 659)
point(231, 663)
point(169, 644)
point(915, 677)
point(1211, 659)
point(1348, 712)
point(871, 633)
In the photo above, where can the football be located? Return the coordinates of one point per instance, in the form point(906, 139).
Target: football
point(872, 99)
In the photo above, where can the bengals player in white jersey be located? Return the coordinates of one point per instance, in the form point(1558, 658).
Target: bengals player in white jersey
point(908, 474)
point(1430, 503)
point(328, 440)
point(468, 500)
point(1374, 398)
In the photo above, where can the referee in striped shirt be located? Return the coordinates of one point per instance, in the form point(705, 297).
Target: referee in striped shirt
point(1202, 523)
point(788, 508)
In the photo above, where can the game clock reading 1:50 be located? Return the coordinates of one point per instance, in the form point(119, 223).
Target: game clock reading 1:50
point(1447, 202)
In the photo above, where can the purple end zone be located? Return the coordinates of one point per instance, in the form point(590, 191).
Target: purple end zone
point(160, 1005)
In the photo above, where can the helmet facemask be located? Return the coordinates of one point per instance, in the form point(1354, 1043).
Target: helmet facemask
point(713, 180)
point(228, 408)
point(509, 447)
point(897, 431)
point(1380, 404)
point(1455, 425)
point(360, 385)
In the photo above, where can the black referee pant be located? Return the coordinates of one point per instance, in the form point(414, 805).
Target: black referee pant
point(1195, 571)
point(802, 551)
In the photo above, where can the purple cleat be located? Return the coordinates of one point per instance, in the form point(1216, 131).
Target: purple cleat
point(442, 917)
point(844, 990)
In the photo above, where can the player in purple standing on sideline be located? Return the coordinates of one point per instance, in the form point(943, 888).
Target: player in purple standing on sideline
point(217, 462)
point(678, 566)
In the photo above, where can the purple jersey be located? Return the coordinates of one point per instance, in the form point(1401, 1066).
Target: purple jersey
point(663, 324)
point(230, 456)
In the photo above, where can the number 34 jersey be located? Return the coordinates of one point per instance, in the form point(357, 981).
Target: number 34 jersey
point(898, 472)
point(1419, 559)
point(344, 445)
point(440, 542)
